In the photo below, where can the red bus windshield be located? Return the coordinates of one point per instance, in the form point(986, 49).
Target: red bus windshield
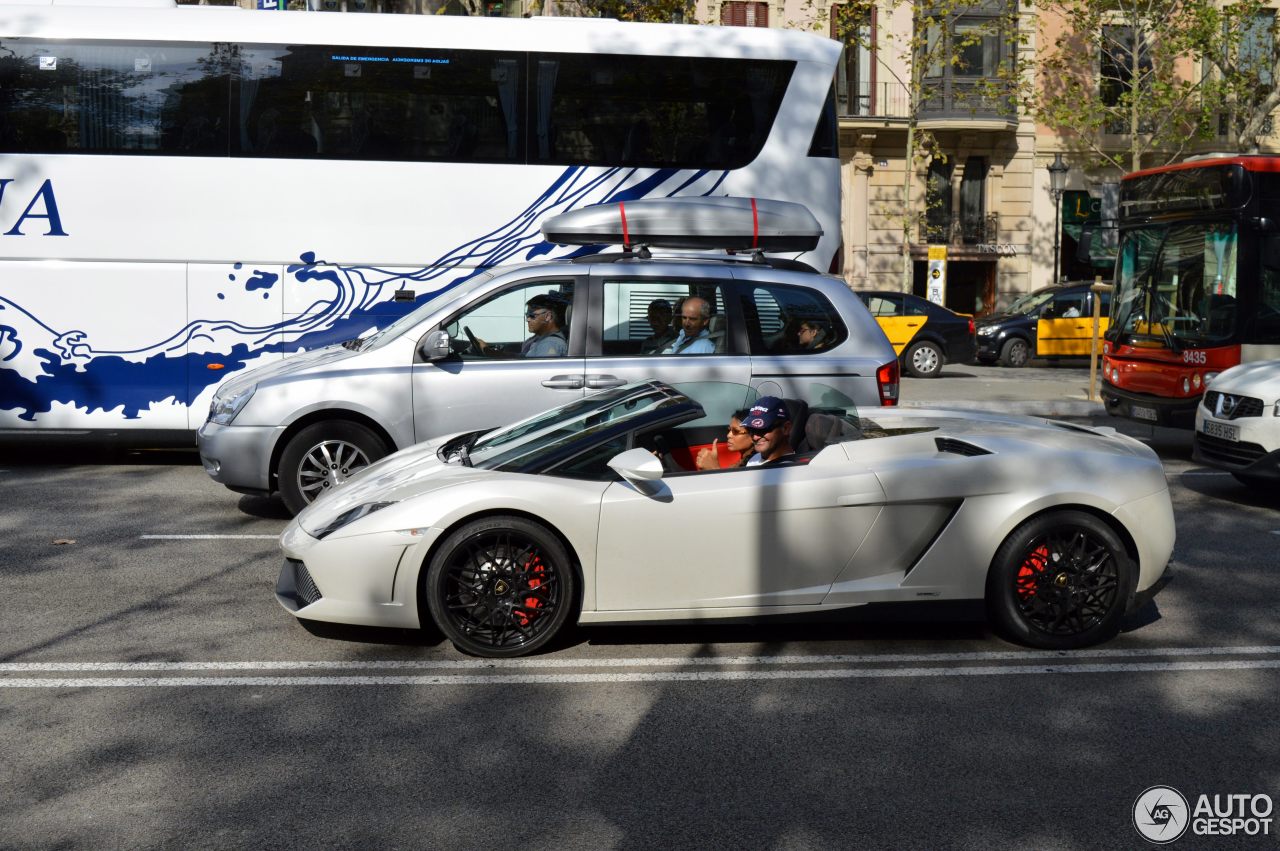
point(1177, 284)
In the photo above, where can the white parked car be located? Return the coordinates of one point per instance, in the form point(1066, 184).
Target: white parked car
point(1238, 424)
point(501, 538)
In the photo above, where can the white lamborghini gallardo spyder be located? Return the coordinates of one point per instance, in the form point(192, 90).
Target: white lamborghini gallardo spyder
point(593, 511)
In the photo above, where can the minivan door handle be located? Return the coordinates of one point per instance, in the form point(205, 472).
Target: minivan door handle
point(564, 382)
point(604, 381)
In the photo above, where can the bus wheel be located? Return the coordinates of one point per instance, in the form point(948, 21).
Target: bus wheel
point(1060, 581)
point(924, 360)
point(1015, 352)
point(321, 457)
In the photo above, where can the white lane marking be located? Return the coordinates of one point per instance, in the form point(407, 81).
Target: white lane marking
point(208, 537)
point(636, 662)
point(641, 677)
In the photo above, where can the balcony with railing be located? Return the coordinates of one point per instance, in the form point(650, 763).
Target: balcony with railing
point(879, 103)
point(961, 230)
point(947, 103)
point(967, 103)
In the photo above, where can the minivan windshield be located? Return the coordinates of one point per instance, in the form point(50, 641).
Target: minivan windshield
point(411, 319)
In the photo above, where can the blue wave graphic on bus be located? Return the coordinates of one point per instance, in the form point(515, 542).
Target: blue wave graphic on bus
point(41, 365)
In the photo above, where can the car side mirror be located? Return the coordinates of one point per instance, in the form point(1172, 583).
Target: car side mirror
point(435, 346)
point(637, 465)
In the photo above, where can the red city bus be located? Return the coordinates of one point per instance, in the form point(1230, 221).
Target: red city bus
point(1197, 283)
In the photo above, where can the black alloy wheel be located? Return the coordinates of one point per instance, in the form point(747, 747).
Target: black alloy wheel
point(1015, 352)
point(1060, 581)
point(500, 587)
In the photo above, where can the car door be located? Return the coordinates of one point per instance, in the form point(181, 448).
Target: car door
point(474, 389)
point(1064, 325)
point(891, 316)
point(624, 346)
point(746, 537)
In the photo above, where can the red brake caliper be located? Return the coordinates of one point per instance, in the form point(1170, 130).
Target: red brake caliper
point(1035, 563)
point(535, 566)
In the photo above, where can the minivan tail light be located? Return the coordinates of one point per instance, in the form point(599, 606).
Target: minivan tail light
point(887, 378)
point(972, 330)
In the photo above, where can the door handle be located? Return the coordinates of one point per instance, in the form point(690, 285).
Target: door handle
point(864, 498)
point(564, 382)
point(604, 381)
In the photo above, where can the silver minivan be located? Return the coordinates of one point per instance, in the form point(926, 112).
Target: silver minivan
point(512, 342)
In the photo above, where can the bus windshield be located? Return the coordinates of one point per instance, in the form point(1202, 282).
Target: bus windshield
point(1176, 284)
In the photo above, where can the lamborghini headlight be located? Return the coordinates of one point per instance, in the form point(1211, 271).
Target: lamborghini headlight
point(350, 516)
point(223, 409)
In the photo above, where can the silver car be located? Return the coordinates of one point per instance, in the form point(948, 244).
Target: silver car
point(512, 342)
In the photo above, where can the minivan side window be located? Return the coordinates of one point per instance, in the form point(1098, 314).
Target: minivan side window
point(789, 320)
point(527, 321)
point(644, 318)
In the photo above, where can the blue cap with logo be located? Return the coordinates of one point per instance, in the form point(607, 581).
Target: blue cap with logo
point(766, 413)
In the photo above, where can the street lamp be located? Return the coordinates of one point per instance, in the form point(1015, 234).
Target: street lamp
point(1057, 184)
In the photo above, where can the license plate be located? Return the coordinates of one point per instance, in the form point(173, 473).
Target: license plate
point(1226, 431)
point(1138, 412)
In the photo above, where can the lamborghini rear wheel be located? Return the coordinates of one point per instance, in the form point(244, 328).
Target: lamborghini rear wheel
point(1060, 581)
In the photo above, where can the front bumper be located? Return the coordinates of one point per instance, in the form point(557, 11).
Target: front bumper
point(1144, 408)
point(238, 456)
point(987, 347)
point(1248, 456)
point(364, 580)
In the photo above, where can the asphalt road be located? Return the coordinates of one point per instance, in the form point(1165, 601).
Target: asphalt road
point(153, 694)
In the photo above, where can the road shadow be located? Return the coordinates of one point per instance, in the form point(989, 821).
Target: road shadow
point(33, 453)
point(426, 637)
point(265, 507)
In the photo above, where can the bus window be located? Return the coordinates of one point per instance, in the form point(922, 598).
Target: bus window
point(59, 97)
point(381, 104)
point(653, 110)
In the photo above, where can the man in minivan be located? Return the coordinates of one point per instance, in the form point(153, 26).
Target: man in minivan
point(694, 338)
point(543, 317)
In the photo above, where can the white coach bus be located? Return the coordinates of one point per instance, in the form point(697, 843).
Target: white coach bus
point(186, 191)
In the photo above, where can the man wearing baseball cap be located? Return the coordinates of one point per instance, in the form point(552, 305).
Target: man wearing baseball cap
point(769, 424)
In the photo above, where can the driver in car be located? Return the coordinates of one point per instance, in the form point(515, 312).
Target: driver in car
point(769, 423)
point(548, 340)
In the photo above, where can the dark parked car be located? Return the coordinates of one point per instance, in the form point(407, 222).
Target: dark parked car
point(924, 335)
point(1053, 321)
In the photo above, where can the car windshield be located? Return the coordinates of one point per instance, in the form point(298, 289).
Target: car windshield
point(1176, 284)
point(1028, 303)
point(578, 422)
point(576, 426)
point(418, 314)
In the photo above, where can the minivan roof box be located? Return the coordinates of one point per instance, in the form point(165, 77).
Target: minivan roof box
point(727, 223)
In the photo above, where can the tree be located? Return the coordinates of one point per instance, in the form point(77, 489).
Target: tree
point(1128, 69)
point(947, 41)
point(1239, 44)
